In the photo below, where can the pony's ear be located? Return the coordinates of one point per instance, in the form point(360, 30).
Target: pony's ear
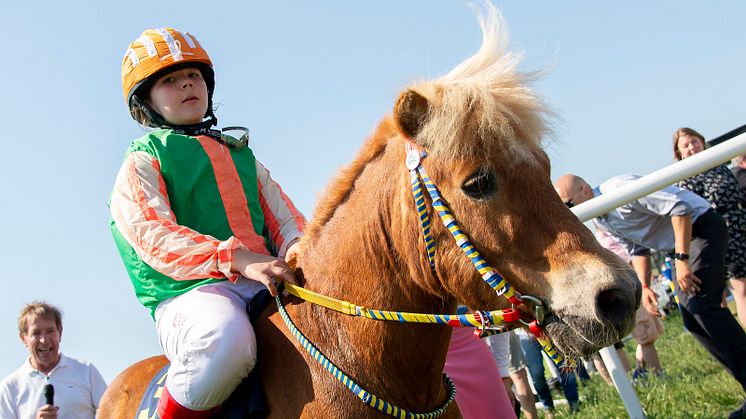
point(410, 113)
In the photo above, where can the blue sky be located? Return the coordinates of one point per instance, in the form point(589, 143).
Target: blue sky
point(312, 80)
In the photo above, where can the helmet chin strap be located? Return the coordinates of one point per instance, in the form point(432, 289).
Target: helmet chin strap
point(201, 128)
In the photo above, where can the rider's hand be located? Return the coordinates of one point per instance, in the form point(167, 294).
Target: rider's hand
point(688, 282)
point(650, 302)
point(263, 268)
point(292, 253)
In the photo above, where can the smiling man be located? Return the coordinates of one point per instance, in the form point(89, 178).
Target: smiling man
point(77, 385)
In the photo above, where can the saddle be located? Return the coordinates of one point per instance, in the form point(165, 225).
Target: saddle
point(247, 400)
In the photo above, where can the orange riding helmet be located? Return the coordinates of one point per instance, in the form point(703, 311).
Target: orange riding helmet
point(156, 52)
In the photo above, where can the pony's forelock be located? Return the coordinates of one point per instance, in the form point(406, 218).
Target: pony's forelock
point(484, 102)
point(481, 105)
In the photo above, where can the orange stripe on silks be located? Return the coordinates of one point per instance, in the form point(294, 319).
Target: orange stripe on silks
point(300, 220)
point(225, 256)
point(269, 217)
point(165, 256)
point(138, 194)
point(169, 258)
point(233, 195)
point(149, 214)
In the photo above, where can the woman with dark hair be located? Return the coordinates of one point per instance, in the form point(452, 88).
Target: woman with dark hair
point(719, 187)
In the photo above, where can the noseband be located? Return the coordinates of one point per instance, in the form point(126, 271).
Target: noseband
point(486, 323)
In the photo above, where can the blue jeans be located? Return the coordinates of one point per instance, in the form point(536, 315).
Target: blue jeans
point(535, 364)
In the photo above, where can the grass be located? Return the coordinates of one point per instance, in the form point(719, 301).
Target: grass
point(695, 385)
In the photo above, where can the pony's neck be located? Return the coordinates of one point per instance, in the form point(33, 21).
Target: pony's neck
point(369, 253)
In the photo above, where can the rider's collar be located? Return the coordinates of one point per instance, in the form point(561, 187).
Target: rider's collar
point(235, 137)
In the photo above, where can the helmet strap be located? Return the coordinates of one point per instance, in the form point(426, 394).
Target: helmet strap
point(157, 121)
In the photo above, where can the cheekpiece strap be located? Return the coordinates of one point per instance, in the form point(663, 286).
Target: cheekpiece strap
point(413, 161)
point(497, 282)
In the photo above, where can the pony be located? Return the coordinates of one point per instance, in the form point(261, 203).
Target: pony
point(481, 128)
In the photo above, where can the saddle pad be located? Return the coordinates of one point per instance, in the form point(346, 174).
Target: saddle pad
point(149, 404)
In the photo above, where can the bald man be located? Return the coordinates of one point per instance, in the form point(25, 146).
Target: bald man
point(677, 221)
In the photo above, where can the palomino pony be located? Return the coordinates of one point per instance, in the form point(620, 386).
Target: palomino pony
point(480, 127)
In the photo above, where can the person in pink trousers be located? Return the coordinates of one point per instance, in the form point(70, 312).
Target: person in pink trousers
point(480, 392)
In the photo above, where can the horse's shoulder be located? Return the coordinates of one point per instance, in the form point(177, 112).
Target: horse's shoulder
point(152, 364)
point(123, 395)
point(138, 375)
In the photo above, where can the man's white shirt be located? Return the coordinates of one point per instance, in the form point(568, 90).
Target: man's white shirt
point(78, 387)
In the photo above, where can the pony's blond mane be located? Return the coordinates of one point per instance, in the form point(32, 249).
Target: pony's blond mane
point(484, 102)
point(339, 189)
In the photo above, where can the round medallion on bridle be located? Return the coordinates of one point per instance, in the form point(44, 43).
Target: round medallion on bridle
point(413, 159)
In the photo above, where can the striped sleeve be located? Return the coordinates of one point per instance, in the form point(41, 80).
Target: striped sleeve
point(141, 211)
point(284, 221)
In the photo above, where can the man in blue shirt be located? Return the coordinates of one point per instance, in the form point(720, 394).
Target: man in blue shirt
point(679, 221)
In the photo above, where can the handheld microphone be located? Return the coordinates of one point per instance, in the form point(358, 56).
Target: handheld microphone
point(49, 394)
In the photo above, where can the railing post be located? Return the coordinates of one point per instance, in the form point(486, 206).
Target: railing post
point(621, 382)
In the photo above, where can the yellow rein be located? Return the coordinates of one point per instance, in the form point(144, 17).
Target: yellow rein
point(482, 319)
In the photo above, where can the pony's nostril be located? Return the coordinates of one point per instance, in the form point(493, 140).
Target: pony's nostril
point(615, 306)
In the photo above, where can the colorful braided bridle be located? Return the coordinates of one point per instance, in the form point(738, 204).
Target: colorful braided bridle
point(486, 322)
point(418, 176)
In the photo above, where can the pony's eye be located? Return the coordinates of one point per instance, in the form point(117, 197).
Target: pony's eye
point(480, 185)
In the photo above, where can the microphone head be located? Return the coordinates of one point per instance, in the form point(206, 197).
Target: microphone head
point(49, 394)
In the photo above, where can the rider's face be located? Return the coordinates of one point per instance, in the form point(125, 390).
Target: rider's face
point(180, 97)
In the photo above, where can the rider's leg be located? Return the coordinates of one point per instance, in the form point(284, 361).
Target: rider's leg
point(207, 336)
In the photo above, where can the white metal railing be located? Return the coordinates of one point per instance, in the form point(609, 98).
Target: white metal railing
point(643, 186)
point(661, 178)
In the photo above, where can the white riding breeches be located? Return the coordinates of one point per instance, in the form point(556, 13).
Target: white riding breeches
point(207, 336)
